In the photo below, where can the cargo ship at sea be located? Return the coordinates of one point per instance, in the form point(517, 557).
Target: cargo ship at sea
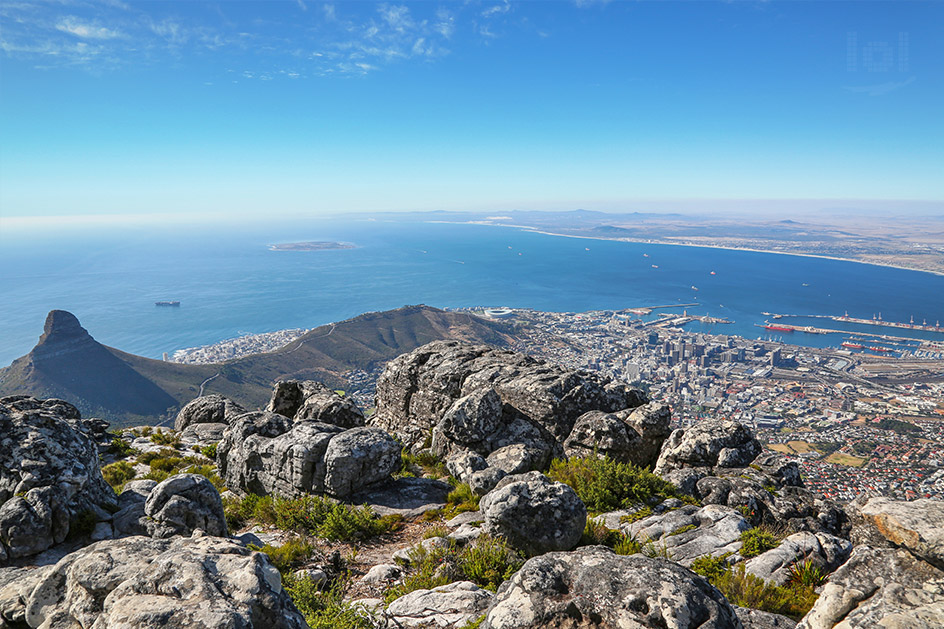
point(166, 304)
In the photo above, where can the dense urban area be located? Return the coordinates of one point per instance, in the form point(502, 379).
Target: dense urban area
point(855, 422)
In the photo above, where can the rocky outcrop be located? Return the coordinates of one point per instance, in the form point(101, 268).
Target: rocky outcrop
point(629, 436)
point(186, 583)
point(209, 409)
point(182, 504)
point(593, 587)
point(825, 551)
point(266, 453)
point(708, 444)
point(416, 389)
point(534, 514)
point(311, 400)
point(917, 526)
point(690, 532)
point(449, 606)
point(49, 476)
point(880, 587)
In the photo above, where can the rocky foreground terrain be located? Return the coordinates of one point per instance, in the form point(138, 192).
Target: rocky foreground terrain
point(486, 489)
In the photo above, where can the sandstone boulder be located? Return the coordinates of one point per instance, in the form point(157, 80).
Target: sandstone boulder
point(534, 514)
point(311, 400)
point(186, 583)
point(828, 552)
point(416, 389)
point(880, 587)
point(182, 504)
point(708, 444)
point(49, 476)
point(209, 409)
point(449, 606)
point(593, 587)
point(690, 532)
point(267, 453)
point(917, 526)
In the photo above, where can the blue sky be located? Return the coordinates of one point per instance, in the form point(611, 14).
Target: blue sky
point(269, 108)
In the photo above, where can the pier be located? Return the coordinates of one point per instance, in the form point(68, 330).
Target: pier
point(875, 321)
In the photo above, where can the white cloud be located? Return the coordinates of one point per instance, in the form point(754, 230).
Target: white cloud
point(498, 9)
point(86, 30)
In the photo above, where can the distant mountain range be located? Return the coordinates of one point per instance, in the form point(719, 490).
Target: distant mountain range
point(102, 381)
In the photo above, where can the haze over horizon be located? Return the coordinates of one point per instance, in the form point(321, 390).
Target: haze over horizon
point(302, 108)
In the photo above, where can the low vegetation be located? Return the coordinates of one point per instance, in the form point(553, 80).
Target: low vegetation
point(607, 485)
point(117, 474)
point(756, 541)
point(326, 609)
point(289, 556)
point(310, 515)
point(746, 590)
point(487, 562)
point(424, 463)
point(461, 499)
point(596, 534)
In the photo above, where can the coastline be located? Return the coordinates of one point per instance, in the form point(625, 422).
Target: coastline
point(685, 244)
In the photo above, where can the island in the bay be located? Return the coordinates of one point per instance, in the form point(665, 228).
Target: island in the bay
point(311, 245)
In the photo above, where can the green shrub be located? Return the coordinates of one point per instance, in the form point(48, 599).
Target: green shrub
point(656, 550)
point(145, 458)
point(756, 541)
point(487, 562)
point(162, 438)
point(627, 545)
point(595, 533)
point(120, 447)
point(637, 515)
point(208, 472)
point(439, 530)
point(474, 624)
point(289, 556)
point(683, 529)
point(209, 451)
point(117, 474)
point(746, 590)
point(326, 609)
point(806, 573)
point(710, 567)
point(310, 515)
point(607, 485)
point(462, 499)
point(424, 463)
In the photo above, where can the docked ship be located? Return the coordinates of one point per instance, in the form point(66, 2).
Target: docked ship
point(778, 328)
point(852, 345)
point(173, 304)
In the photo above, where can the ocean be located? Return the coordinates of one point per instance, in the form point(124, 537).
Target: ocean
point(229, 283)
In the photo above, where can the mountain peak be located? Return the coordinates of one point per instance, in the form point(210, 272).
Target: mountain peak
point(61, 324)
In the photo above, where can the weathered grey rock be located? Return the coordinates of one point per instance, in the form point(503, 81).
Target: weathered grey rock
point(317, 576)
point(49, 476)
point(136, 491)
point(405, 556)
point(917, 525)
point(652, 422)
point(382, 574)
point(596, 433)
point(446, 607)
point(708, 444)
point(882, 587)
point(182, 504)
point(717, 531)
point(183, 583)
point(593, 587)
point(359, 457)
point(16, 584)
point(824, 550)
point(485, 481)
point(471, 422)
point(534, 514)
point(209, 409)
point(756, 619)
point(409, 497)
point(202, 434)
point(266, 453)
point(463, 463)
point(311, 400)
point(416, 389)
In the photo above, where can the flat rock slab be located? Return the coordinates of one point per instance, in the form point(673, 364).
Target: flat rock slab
point(409, 497)
point(917, 525)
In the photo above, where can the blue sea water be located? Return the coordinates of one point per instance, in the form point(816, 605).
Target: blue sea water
point(229, 283)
